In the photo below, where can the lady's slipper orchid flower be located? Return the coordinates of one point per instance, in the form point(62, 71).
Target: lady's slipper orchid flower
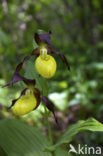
point(46, 64)
point(30, 97)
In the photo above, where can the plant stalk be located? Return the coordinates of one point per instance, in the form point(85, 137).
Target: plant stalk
point(48, 126)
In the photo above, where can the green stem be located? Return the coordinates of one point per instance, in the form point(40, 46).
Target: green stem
point(47, 121)
point(48, 126)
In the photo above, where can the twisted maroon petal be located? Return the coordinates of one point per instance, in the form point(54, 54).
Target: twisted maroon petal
point(37, 95)
point(19, 66)
point(50, 106)
point(52, 50)
point(17, 77)
point(63, 59)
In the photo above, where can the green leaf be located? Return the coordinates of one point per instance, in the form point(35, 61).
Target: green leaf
point(34, 44)
point(32, 74)
point(90, 124)
point(19, 139)
point(61, 152)
point(41, 83)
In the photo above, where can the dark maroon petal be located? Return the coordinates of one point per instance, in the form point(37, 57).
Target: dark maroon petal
point(17, 77)
point(23, 92)
point(51, 49)
point(50, 106)
point(19, 66)
point(26, 58)
point(13, 101)
point(37, 38)
point(29, 81)
point(37, 95)
point(50, 32)
point(43, 38)
point(35, 51)
point(64, 59)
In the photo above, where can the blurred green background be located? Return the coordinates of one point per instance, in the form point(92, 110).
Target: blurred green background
point(77, 32)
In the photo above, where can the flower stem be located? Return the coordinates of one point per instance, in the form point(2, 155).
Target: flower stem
point(48, 126)
point(46, 116)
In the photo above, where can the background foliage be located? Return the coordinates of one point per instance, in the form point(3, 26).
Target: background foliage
point(77, 31)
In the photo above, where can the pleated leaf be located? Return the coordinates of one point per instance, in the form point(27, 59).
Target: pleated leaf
point(61, 152)
point(19, 139)
point(90, 125)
